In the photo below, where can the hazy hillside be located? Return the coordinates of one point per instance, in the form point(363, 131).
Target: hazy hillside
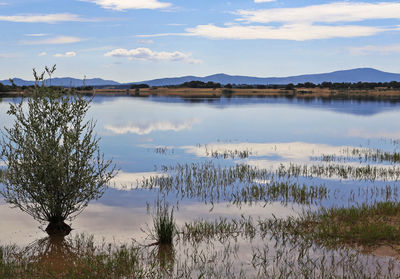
point(66, 82)
point(354, 75)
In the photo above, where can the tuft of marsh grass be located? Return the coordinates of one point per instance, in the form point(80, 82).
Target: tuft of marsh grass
point(164, 225)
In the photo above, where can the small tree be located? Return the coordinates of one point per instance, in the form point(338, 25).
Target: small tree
point(55, 167)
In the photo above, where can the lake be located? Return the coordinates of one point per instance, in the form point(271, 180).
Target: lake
point(152, 137)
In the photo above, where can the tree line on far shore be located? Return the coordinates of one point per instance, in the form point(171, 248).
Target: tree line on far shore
point(290, 86)
point(214, 85)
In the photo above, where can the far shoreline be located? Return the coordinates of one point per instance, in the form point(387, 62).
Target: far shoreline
point(378, 94)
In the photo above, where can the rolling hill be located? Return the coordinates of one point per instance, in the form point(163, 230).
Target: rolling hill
point(353, 75)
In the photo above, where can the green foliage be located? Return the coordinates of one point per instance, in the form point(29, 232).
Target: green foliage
point(200, 84)
point(139, 86)
point(364, 224)
point(290, 86)
point(4, 88)
point(54, 164)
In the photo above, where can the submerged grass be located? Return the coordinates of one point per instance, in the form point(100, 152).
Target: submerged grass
point(75, 258)
point(229, 154)
point(82, 258)
point(367, 226)
point(221, 229)
point(362, 225)
point(362, 155)
point(292, 183)
point(294, 247)
point(237, 184)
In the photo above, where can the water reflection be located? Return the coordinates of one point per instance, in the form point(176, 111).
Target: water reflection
point(357, 107)
point(291, 151)
point(54, 255)
point(126, 181)
point(147, 128)
point(267, 256)
point(166, 259)
point(122, 223)
point(143, 135)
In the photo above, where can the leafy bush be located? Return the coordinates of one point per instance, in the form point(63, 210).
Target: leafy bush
point(54, 164)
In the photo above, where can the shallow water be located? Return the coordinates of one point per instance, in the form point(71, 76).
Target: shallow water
point(143, 135)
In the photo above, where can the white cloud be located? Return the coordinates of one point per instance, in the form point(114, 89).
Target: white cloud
point(67, 54)
point(322, 21)
point(297, 32)
point(54, 41)
point(332, 12)
point(44, 18)
point(43, 53)
point(375, 49)
point(36, 35)
point(120, 5)
point(147, 128)
point(148, 54)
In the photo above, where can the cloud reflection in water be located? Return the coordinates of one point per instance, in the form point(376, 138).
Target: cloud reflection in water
point(147, 128)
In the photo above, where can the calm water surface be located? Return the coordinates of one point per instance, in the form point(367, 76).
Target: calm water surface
point(142, 135)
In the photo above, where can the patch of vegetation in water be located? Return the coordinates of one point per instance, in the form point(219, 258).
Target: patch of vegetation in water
point(366, 225)
point(229, 154)
point(237, 184)
point(81, 257)
point(362, 155)
point(77, 258)
point(293, 183)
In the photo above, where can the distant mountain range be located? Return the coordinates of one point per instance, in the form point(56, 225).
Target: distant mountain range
point(353, 75)
point(66, 82)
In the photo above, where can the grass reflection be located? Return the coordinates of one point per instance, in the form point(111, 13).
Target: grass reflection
point(274, 257)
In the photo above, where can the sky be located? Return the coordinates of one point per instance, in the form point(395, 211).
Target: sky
point(137, 40)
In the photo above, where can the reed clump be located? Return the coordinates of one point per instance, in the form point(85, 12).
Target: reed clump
point(164, 225)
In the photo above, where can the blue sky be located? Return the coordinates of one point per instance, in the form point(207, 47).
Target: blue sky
point(134, 40)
